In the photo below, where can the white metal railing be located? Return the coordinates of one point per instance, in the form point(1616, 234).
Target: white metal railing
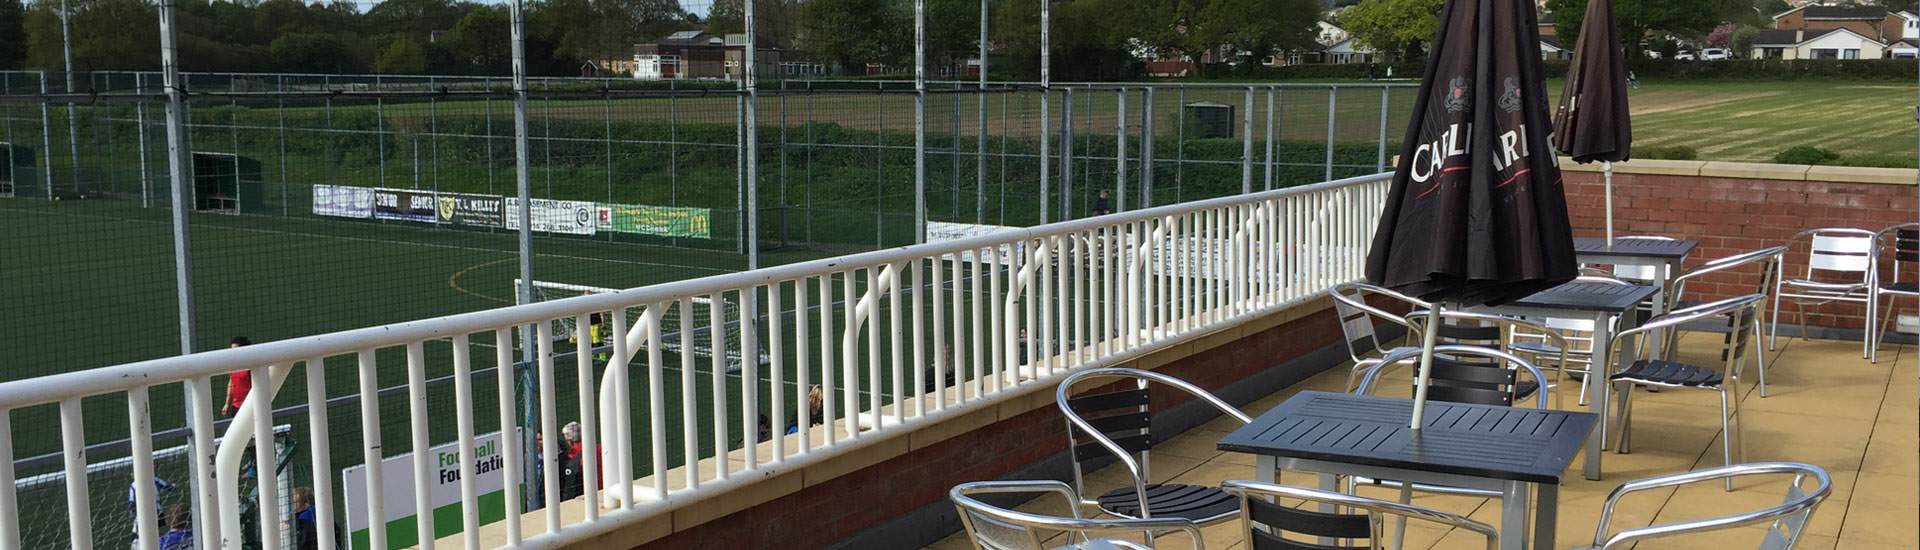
point(999, 312)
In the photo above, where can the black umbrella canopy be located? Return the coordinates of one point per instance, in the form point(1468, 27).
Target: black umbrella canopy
point(1476, 213)
point(1592, 123)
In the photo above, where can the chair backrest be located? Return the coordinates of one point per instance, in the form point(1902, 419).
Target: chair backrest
point(1463, 374)
point(1739, 314)
point(1483, 330)
point(1765, 261)
point(1841, 250)
point(1357, 317)
point(1267, 520)
point(1785, 521)
point(995, 528)
point(1641, 273)
point(1118, 424)
point(1901, 245)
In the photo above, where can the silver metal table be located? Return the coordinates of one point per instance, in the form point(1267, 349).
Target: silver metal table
point(1515, 451)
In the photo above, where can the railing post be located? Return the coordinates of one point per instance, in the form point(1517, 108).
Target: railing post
point(1246, 143)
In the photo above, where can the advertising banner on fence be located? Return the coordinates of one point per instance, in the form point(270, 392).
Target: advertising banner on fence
point(664, 221)
point(472, 210)
point(396, 477)
point(396, 204)
point(950, 231)
point(342, 201)
point(551, 216)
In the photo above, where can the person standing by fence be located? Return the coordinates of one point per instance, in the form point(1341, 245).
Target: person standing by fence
point(239, 383)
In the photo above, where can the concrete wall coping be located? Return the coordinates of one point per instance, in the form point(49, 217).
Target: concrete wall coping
point(1753, 170)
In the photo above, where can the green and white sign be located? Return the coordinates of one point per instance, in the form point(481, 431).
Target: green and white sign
point(664, 221)
point(396, 477)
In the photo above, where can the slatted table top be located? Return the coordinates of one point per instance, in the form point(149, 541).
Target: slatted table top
point(1580, 296)
point(1507, 443)
point(1644, 248)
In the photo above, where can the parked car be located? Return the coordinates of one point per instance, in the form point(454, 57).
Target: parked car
point(1684, 56)
point(1714, 54)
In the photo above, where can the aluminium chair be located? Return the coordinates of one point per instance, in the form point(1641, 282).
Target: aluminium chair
point(1459, 374)
point(1267, 520)
point(1577, 331)
point(1785, 521)
point(1765, 261)
point(1358, 322)
point(1742, 322)
point(1839, 269)
point(991, 527)
point(1900, 244)
point(1117, 425)
point(1494, 332)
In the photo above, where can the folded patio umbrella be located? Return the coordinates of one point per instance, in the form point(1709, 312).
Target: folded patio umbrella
point(1592, 123)
point(1476, 213)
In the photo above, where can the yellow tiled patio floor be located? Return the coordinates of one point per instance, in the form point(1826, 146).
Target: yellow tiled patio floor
point(1825, 406)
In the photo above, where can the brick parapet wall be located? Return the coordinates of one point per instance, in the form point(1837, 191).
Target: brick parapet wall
point(1730, 214)
point(823, 514)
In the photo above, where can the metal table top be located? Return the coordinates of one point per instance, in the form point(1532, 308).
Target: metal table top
point(1578, 296)
point(1505, 443)
point(1630, 247)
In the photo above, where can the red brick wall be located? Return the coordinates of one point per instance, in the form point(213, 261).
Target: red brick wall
point(1733, 215)
point(823, 514)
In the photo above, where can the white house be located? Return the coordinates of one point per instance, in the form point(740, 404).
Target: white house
point(1551, 50)
point(1839, 43)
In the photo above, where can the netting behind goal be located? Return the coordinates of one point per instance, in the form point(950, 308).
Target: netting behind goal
point(700, 339)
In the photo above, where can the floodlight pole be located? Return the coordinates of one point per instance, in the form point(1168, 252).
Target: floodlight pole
point(180, 172)
point(73, 125)
point(751, 130)
point(919, 120)
point(980, 149)
point(523, 190)
point(1046, 93)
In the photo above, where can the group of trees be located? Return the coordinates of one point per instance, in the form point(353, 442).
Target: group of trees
point(337, 36)
point(1091, 38)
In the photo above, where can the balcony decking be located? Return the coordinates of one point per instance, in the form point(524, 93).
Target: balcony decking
point(1826, 406)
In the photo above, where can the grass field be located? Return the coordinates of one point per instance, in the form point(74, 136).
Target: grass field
point(1751, 121)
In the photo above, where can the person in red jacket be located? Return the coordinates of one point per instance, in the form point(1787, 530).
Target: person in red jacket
point(239, 382)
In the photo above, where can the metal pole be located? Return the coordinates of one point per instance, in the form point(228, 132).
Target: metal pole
point(1333, 97)
point(1267, 175)
point(1246, 144)
point(73, 124)
point(980, 148)
point(1066, 156)
point(919, 124)
point(523, 190)
point(180, 171)
point(1046, 91)
point(1380, 160)
point(140, 123)
point(46, 133)
point(1146, 150)
point(752, 133)
point(1120, 150)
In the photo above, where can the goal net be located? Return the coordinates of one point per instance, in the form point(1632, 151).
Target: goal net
point(699, 339)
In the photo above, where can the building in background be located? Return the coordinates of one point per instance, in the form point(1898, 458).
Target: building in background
point(700, 55)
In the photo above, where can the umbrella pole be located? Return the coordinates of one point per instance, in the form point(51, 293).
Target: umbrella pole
point(1606, 168)
point(1425, 376)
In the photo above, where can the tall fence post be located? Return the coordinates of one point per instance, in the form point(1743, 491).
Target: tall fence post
point(1120, 150)
point(140, 125)
point(46, 133)
point(1046, 91)
point(919, 126)
point(980, 148)
point(1272, 105)
point(523, 184)
point(1066, 156)
point(1246, 143)
point(180, 172)
point(752, 135)
point(1333, 101)
point(1146, 149)
point(1380, 151)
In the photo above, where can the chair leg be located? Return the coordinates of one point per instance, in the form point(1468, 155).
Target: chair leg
point(1400, 522)
point(1584, 380)
point(1802, 308)
point(1773, 328)
point(1625, 390)
point(1727, 429)
point(1866, 340)
point(1880, 334)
